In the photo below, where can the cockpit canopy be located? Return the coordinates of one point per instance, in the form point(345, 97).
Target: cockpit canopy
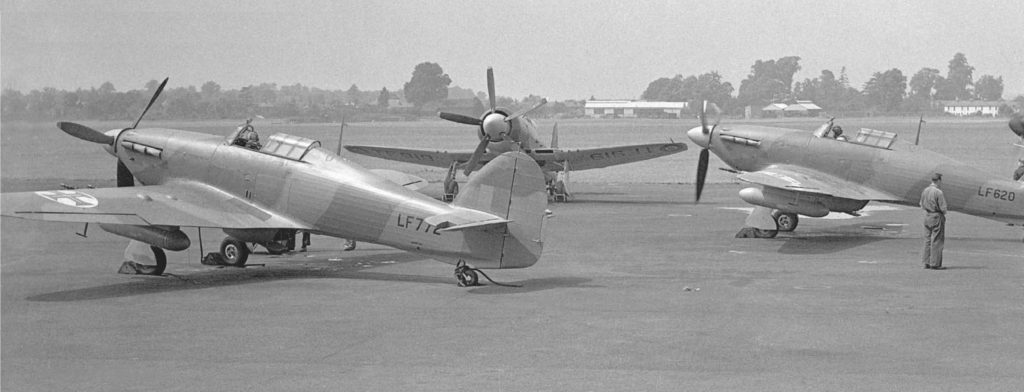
point(865, 136)
point(289, 146)
point(279, 144)
point(874, 138)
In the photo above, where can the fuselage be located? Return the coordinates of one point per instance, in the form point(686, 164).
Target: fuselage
point(900, 169)
point(329, 194)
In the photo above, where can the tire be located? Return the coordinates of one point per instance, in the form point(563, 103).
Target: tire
point(785, 221)
point(234, 251)
point(467, 278)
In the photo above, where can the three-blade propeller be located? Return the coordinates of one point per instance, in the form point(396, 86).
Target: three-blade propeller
point(495, 124)
point(124, 176)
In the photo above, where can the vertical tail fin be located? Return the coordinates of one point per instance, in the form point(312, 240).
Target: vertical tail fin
point(511, 186)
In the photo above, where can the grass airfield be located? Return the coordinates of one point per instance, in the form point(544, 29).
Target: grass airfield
point(638, 289)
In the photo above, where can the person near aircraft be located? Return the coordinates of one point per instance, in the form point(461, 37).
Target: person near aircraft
point(934, 204)
point(837, 133)
point(247, 136)
point(1018, 175)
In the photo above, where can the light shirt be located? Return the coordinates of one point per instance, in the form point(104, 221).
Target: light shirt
point(932, 199)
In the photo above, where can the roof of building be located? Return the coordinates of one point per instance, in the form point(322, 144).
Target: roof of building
point(774, 107)
point(802, 106)
point(971, 103)
point(623, 104)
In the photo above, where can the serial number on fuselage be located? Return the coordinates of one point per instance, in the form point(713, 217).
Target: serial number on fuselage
point(997, 194)
point(408, 222)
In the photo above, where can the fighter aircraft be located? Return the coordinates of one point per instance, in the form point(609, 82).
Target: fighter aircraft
point(499, 132)
point(256, 192)
point(812, 174)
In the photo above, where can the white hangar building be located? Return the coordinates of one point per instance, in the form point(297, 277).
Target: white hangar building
point(625, 108)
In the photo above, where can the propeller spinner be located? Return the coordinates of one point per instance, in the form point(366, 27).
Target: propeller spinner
point(495, 124)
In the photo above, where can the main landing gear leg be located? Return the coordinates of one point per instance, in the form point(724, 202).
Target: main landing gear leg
point(137, 252)
point(466, 276)
point(760, 224)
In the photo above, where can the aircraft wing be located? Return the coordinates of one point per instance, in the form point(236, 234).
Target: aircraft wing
point(442, 159)
point(594, 158)
point(802, 179)
point(187, 204)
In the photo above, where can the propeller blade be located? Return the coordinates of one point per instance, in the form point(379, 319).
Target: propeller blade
point(151, 100)
point(554, 136)
point(718, 116)
point(490, 89)
point(461, 119)
point(542, 102)
point(1017, 124)
point(85, 133)
point(704, 118)
point(124, 176)
point(702, 173)
point(473, 160)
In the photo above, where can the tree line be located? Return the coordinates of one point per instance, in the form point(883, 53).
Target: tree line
point(769, 81)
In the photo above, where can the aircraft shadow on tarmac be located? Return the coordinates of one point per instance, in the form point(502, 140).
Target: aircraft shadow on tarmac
point(532, 285)
point(206, 277)
point(835, 239)
point(621, 198)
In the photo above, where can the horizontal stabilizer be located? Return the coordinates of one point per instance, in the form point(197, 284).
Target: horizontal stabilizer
point(465, 219)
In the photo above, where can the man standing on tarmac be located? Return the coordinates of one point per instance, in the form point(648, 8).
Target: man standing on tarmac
point(934, 204)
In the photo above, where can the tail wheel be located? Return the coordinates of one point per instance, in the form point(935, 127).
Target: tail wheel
point(466, 276)
point(786, 221)
point(235, 252)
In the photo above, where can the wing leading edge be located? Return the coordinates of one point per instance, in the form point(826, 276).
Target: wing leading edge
point(582, 159)
point(802, 179)
point(188, 204)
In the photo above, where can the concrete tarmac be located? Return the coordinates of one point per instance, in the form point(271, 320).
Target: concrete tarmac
point(638, 289)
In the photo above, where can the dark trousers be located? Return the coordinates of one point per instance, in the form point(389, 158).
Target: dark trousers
point(934, 238)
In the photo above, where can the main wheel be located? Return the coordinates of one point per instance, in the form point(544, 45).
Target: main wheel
point(235, 252)
point(786, 221)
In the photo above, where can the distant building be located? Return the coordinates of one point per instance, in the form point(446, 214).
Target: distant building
point(800, 108)
point(773, 110)
point(625, 108)
point(971, 108)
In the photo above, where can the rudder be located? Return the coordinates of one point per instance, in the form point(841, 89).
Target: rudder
point(511, 186)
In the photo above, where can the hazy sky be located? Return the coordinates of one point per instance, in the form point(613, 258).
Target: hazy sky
point(558, 49)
